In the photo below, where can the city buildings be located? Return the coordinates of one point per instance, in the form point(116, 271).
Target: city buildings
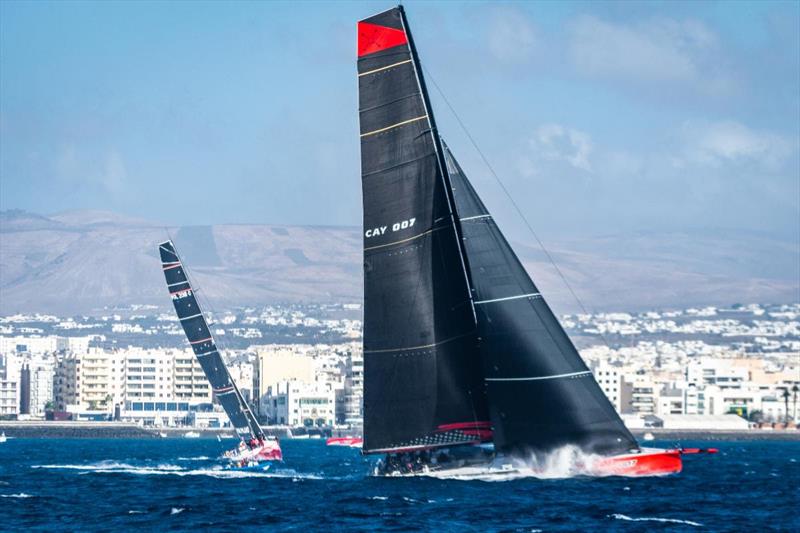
point(701, 364)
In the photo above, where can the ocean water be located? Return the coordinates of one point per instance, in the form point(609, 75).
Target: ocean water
point(178, 484)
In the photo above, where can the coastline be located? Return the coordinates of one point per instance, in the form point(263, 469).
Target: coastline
point(126, 430)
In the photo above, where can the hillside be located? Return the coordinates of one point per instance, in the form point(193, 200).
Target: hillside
point(82, 261)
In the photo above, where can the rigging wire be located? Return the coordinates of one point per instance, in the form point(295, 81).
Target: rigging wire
point(509, 196)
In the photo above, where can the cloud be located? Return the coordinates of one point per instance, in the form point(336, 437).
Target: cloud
point(512, 37)
point(725, 142)
point(554, 142)
point(658, 50)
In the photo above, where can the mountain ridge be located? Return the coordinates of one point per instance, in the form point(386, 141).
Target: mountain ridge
point(83, 261)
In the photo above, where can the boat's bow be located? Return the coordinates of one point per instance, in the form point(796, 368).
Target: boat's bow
point(644, 462)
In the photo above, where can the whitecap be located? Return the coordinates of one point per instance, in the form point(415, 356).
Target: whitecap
point(176, 510)
point(382, 498)
point(20, 495)
point(133, 511)
point(198, 458)
point(618, 516)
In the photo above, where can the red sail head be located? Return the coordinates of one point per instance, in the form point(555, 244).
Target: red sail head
point(374, 38)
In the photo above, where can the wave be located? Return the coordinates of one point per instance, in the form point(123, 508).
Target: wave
point(111, 467)
point(618, 516)
point(20, 495)
point(198, 458)
point(177, 510)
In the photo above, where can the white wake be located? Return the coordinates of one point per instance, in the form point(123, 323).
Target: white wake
point(112, 467)
point(564, 462)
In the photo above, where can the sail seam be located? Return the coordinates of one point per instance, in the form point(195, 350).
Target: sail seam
point(541, 378)
point(190, 317)
point(405, 240)
point(398, 165)
point(387, 128)
point(419, 347)
point(178, 283)
point(373, 71)
point(529, 295)
point(476, 217)
point(385, 104)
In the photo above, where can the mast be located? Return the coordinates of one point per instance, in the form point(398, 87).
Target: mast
point(437, 143)
point(423, 383)
point(202, 342)
point(541, 393)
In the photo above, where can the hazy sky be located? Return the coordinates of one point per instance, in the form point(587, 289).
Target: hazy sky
point(599, 118)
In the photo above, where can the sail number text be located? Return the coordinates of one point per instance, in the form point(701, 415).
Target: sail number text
point(397, 226)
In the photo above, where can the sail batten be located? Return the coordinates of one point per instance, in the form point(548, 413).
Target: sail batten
point(202, 342)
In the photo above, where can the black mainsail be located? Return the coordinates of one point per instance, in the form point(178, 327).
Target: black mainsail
point(423, 382)
point(449, 311)
point(205, 349)
point(541, 393)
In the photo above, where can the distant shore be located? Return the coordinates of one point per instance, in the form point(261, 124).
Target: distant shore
point(717, 434)
point(124, 430)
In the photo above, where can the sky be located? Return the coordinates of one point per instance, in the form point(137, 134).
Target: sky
point(598, 118)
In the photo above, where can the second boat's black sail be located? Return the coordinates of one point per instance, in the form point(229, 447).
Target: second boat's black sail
point(541, 393)
point(205, 349)
point(423, 383)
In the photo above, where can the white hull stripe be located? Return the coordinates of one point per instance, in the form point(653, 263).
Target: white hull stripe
point(387, 128)
point(191, 317)
point(476, 217)
point(529, 295)
point(540, 378)
point(384, 68)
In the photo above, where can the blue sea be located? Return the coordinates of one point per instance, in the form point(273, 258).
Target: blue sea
point(178, 484)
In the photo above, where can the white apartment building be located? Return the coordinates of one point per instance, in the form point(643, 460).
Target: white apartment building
point(295, 403)
point(354, 388)
point(275, 364)
point(136, 382)
point(36, 385)
point(724, 373)
point(611, 379)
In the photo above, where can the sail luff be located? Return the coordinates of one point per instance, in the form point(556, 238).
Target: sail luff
point(201, 340)
point(423, 385)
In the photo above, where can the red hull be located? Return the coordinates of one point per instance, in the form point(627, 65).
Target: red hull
point(649, 462)
point(353, 442)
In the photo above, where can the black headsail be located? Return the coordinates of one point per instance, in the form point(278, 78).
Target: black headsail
point(202, 342)
point(541, 393)
point(423, 383)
